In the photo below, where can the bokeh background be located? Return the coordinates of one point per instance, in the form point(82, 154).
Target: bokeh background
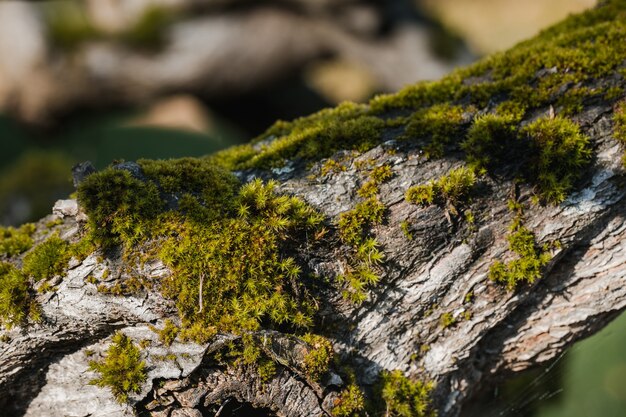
point(106, 80)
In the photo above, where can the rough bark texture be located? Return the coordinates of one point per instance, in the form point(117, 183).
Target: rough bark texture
point(43, 370)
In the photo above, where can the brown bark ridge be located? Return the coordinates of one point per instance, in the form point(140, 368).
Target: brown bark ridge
point(44, 367)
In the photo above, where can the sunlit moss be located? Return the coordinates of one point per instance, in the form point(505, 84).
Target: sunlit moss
point(438, 125)
point(404, 397)
point(119, 206)
point(223, 242)
point(354, 230)
point(348, 126)
point(16, 303)
point(317, 360)
point(558, 153)
point(619, 126)
point(16, 241)
point(451, 190)
point(446, 320)
point(168, 333)
point(47, 259)
point(121, 370)
point(350, 402)
point(531, 258)
point(491, 141)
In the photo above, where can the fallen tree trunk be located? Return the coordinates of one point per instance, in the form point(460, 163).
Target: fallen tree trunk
point(487, 270)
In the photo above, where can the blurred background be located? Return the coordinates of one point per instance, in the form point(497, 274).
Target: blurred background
point(104, 80)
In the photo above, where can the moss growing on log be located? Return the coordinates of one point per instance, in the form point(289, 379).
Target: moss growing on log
point(404, 397)
point(558, 153)
point(16, 241)
point(317, 360)
point(452, 189)
point(47, 259)
point(531, 258)
point(16, 303)
point(350, 403)
point(121, 370)
point(223, 242)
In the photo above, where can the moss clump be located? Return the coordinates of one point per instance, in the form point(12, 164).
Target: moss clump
point(549, 152)
point(16, 303)
point(353, 224)
point(236, 264)
point(452, 190)
point(16, 241)
point(168, 333)
point(438, 125)
point(317, 359)
point(491, 141)
point(405, 226)
point(348, 126)
point(47, 259)
point(446, 320)
point(354, 227)
point(404, 397)
point(531, 257)
point(558, 152)
point(121, 370)
point(350, 402)
point(119, 206)
point(226, 244)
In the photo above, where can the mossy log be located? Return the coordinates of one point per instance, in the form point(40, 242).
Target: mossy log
point(417, 299)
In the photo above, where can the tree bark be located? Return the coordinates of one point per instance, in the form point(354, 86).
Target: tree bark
point(44, 372)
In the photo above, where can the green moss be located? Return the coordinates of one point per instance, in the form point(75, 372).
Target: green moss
point(168, 333)
point(227, 245)
point(317, 359)
point(377, 176)
point(16, 241)
point(405, 226)
point(350, 402)
point(404, 397)
point(47, 259)
point(121, 370)
point(266, 369)
point(16, 303)
point(549, 152)
point(447, 320)
point(613, 93)
point(451, 190)
point(559, 68)
point(531, 258)
point(237, 266)
point(438, 125)
point(332, 166)
point(490, 140)
point(82, 249)
point(558, 153)
point(119, 206)
point(348, 126)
